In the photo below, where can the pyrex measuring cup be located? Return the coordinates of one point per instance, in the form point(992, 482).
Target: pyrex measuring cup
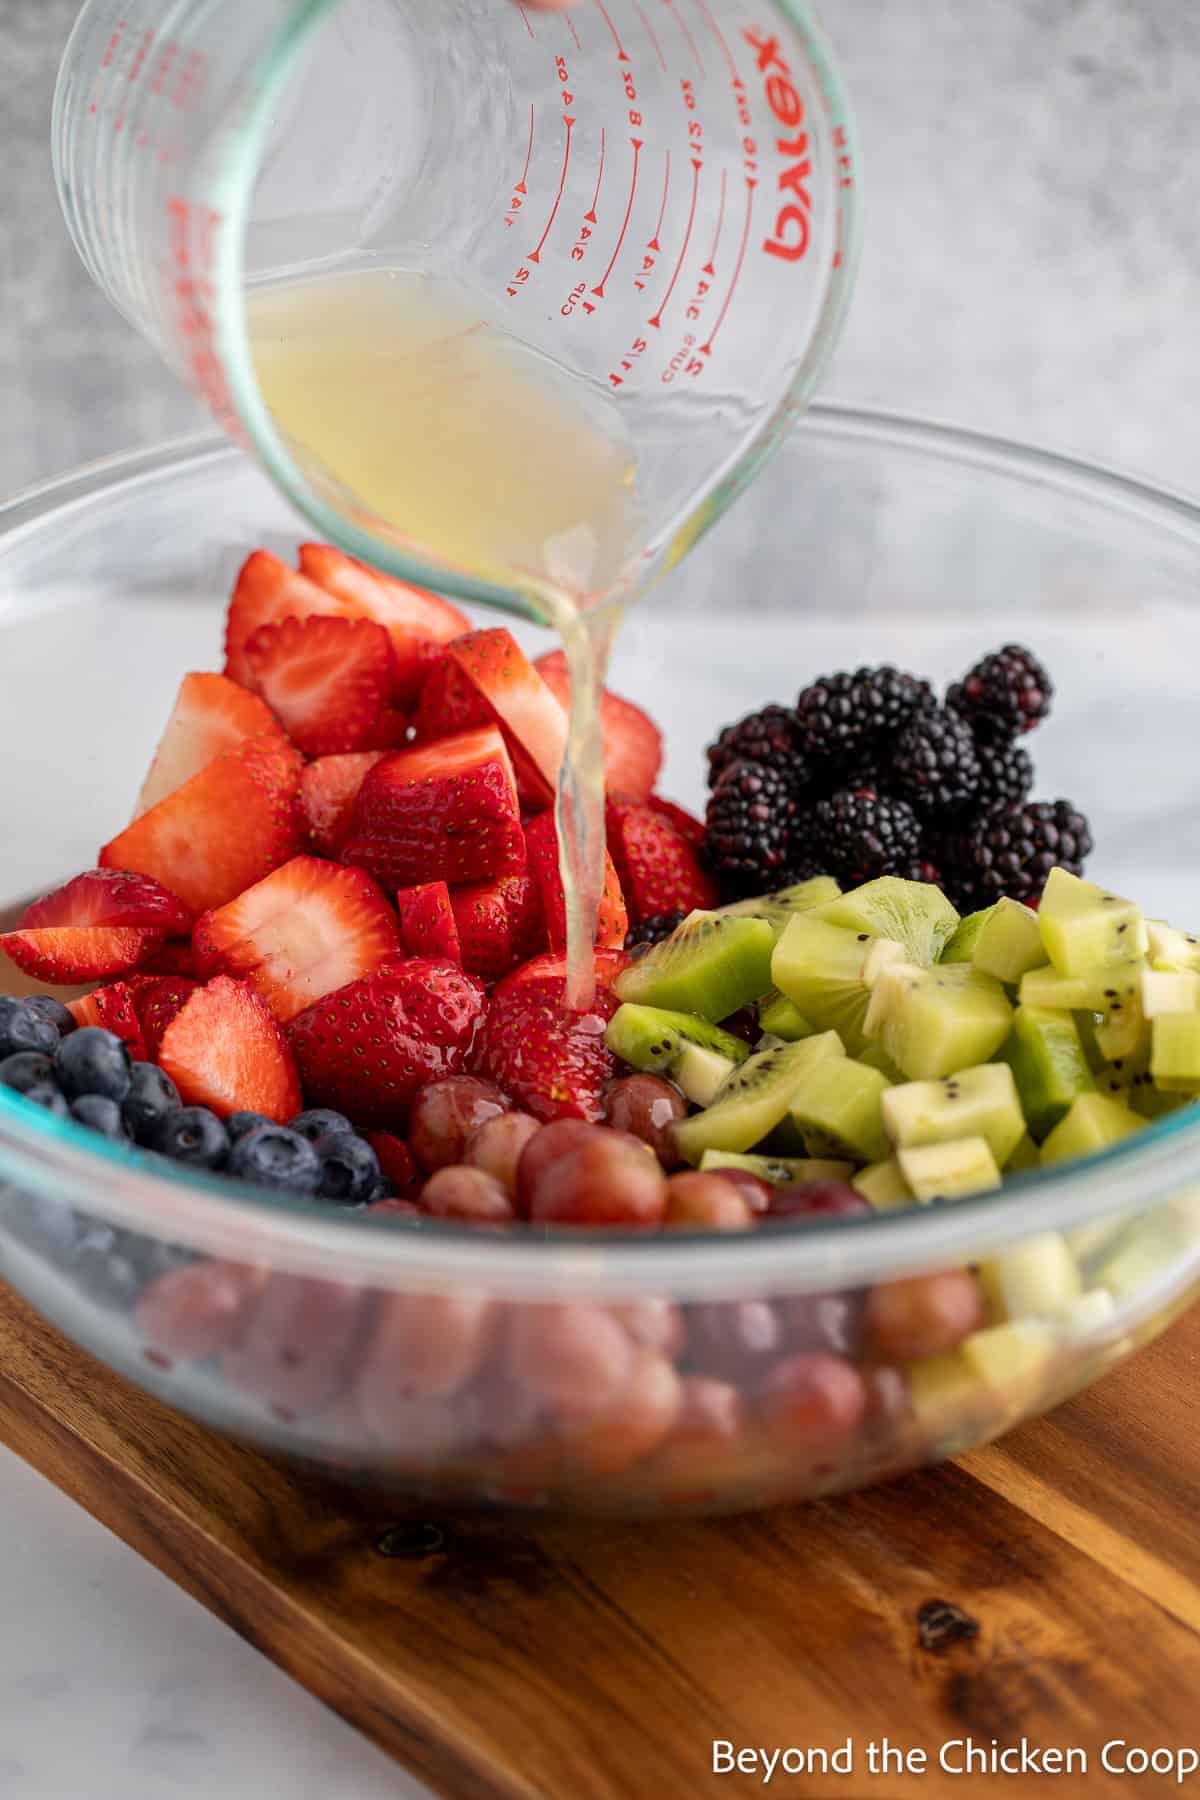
point(656, 198)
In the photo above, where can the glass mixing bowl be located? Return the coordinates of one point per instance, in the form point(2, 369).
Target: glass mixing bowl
point(588, 1370)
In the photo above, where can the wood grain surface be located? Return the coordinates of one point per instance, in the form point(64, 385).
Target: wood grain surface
point(1046, 1588)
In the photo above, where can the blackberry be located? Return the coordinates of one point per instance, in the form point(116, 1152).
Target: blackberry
point(1012, 853)
point(862, 834)
point(1005, 777)
point(748, 832)
point(770, 738)
point(842, 716)
point(935, 765)
point(654, 930)
point(1005, 695)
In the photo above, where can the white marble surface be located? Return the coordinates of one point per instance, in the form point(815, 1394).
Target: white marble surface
point(1032, 268)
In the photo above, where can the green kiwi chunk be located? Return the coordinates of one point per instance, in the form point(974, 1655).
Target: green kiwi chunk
point(912, 913)
point(950, 1171)
point(1084, 927)
point(650, 1038)
point(1003, 941)
point(753, 1099)
point(782, 1018)
point(780, 908)
point(1048, 1061)
point(828, 971)
point(836, 1111)
point(1094, 1122)
point(934, 1022)
point(980, 1102)
point(883, 1186)
point(711, 967)
point(1175, 1053)
point(777, 1171)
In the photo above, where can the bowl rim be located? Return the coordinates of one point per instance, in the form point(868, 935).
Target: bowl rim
point(59, 1160)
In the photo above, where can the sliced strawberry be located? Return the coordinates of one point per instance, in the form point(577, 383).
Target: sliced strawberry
point(541, 847)
point(212, 714)
point(113, 1009)
point(328, 789)
point(533, 722)
point(427, 922)
point(550, 973)
point(393, 731)
point(633, 745)
point(73, 955)
point(327, 681)
point(660, 872)
point(172, 958)
point(690, 829)
point(396, 1163)
point(554, 1064)
point(157, 999)
point(369, 1049)
point(523, 898)
point(306, 930)
point(110, 897)
point(417, 622)
point(439, 812)
point(221, 831)
point(225, 1051)
point(449, 702)
point(266, 593)
point(484, 924)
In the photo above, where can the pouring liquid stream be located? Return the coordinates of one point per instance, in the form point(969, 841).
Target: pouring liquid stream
point(411, 412)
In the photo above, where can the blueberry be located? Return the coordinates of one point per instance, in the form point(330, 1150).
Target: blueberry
point(238, 1124)
point(321, 1123)
point(27, 1070)
point(93, 1061)
point(151, 1097)
point(54, 1012)
point(193, 1136)
point(99, 1114)
point(22, 1029)
point(349, 1169)
point(45, 1094)
point(47, 1227)
point(275, 1157)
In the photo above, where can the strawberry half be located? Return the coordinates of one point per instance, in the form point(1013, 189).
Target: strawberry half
point(221, 831)
point(633, 744)
point(225, 1051)
point(368, 1049)
point(212, 714)
point(327, 681)
point(73, 955)
point(396, 1164)
point(308, 929)
point(172, 958)
point(113, 1009)
point(393, 731)
point(523, 898)
point(449, 702)
point(554, 1064)
point(266, 593)
point(541, 847)
point(533, 722)
point(690, 828)
point(660, 872)
point(440, 812)
point(328, 789)
point(157, 1000)
point(105, 897)
point(481, 914)
point(417, 622)
point(550, 973)
point(427, 922)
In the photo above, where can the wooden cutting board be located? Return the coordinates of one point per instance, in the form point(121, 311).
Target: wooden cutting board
point(1046, 1588)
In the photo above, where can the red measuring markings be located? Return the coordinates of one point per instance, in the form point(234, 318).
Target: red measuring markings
point(536, 255)
point(637, 156)
point(652, 35)
point(114, 44)
point(591, 216)
point(751, 184)
point(164, 68)
point(528, 26)
point(697, 165)
point(726, 52)
point(628, 362)
point(579, 248)
point(656, 241)
point(710, 267)
point(521, 190)
point(622, 57)
point(192, 235)
point(570, 24)
point(684, 27)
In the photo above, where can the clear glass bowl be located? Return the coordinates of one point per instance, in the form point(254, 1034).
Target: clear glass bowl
point(453, 1363)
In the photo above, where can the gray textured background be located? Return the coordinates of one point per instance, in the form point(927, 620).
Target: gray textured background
point(1034, 237)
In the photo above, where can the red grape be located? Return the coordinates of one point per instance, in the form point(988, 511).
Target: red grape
point(195, 1312)
point(733, 1339)
point(444, 1115)
point(831, 1322)
point(654, 1325)
point(926, 1316)
point(425, 1346)
point(611, 1179)
point(818, 1400)
point(469, 1195)
point(498, 1146)
point(550, 1143)
point(577, 1360)
point(757, 1194)
point(706, 1203)
point(817, 1200)
point(296, 1347)
point(647, 1107)
point(637, 1423)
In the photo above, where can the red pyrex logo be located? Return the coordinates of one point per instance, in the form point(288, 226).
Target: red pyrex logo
point(793, 227)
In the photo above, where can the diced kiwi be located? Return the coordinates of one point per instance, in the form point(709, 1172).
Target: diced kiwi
point(1081, 1317)
point(1175, 1053)
point(1095, 990)
point(701, 1073)
point(711, 967)
point(874, 1056)
point(1170, 949)
point(883, 1186)
point(1003, 941)
point(1090, 1242)
point(950, 1171)
point(944, 1392)
point(1047, 1058)
point(1093, 1122)
point(836, 1110)
point(826, 971)
point(932, 1022)
point(778, 1171)
point(780, 908)
point(1170, 991)
point(912, 913)
point(961, 947)
point(1150, 1102)
point(782, 1018)
point(647, 1037)
point(1084, 927)
point(753, 1099)
point(1012, 1359)
point(980, 1102)
point(1025, 1156)
point(1031, 1278)
point(1149, 1248)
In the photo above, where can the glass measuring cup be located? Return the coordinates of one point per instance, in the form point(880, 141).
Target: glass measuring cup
point(655, 203)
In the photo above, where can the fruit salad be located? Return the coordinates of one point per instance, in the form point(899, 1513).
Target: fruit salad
point(326, 959)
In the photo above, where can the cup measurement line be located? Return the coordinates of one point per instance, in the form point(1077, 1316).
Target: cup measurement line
point(726, 52)
point(656, 241)
point(621, 53)
point(685, 29)
point(710, 267)
point(652, 35)
point(591, 218)
point(528, 22)
point(707, 348)
point(633, 187)
point(535, 256)
point(697, 166)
